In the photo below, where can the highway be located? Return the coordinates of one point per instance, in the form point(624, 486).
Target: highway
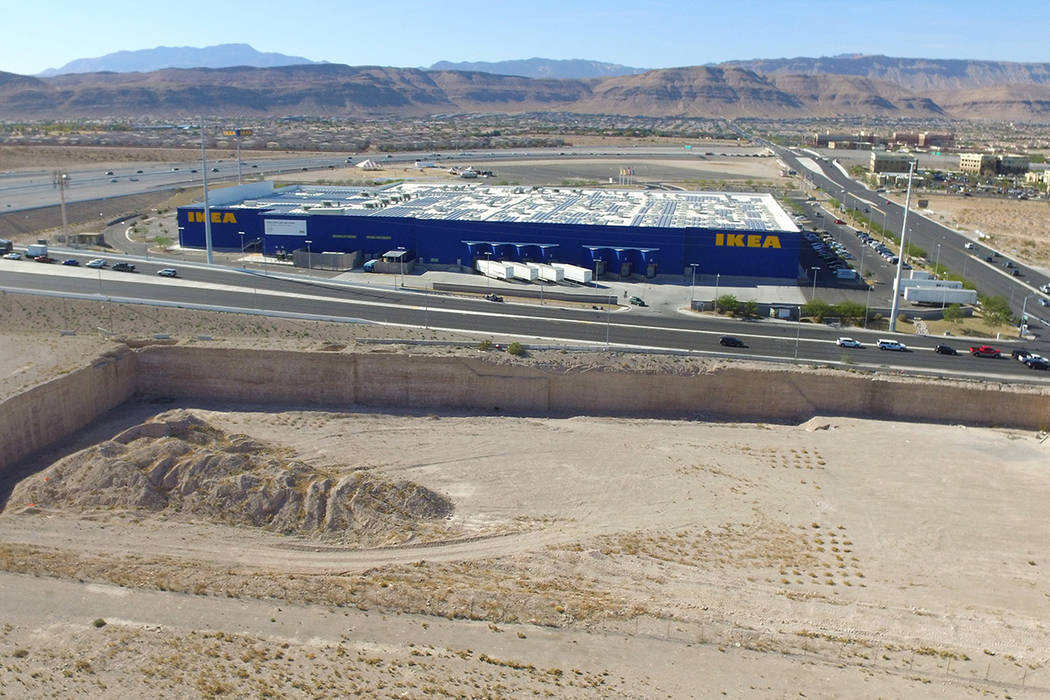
point(235, 289)
point(990, 278)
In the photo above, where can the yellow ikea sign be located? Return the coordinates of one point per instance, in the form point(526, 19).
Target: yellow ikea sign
point(217, 217)
point(746, 240)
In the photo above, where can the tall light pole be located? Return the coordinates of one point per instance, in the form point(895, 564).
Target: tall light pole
point(937, 261)
point(1024, 308)
point(61, 180)
point(401, 257)
point(207, 209)
point(900, 258)
point(717, 276)
point(241, 234)
point(692, 287)
point(814, 270)
point(309, 256)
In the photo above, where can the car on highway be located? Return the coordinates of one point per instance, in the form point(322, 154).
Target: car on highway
point(493, 297)
point(215, 170)
point(168, 272)
point(96, 262)
point(109, 172)
point(892, 345)
point(1045, 289)
point(839, 221)
point(174, 170)
point(1044, 302)
point(731, 342)
point(138, 172)
point(44, 259)
point(12, 256)
point(984, 351)
point(1020, 354)
point(848, 343)
point(945, 350)
point(123, 267)
point(72, 262)
point(1036, 362)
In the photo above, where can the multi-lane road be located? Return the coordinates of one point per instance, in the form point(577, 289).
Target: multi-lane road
point(941, 243)
point(235, 289)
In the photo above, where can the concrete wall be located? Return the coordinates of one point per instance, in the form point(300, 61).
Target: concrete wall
point(36, 418)
point(49, 412)
point(417, 381)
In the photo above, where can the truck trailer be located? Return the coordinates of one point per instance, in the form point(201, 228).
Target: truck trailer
point(494, 269)
point(547, 273)
point(940, 295)
point(573, 273)
point(521, 271)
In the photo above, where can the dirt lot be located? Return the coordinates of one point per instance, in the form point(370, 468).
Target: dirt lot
point(1019, 228)
point(584, 557)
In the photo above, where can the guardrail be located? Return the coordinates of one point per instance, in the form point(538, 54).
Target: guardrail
point(583, 297)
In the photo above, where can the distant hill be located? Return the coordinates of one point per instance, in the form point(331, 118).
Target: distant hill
point(334, 90)
point(542, 68)
point(221, 56)
point(910, 73)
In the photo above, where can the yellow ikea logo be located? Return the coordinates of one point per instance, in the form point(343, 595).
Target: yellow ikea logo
point(217, 217)
point(746, 240)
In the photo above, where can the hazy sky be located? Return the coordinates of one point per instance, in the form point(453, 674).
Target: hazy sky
point(644, 33)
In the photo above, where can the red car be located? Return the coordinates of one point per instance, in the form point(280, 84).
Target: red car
point(984, 351)
point(839, 221)
point(44, 259)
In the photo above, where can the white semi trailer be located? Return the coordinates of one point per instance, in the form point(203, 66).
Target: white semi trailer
point(521, 271)
point(548, 273)
point(573, 273)
point(493, 268)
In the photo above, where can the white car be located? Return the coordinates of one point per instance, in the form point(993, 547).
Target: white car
point(12, 256)
point(848, 343)
point(892, 345)
point(97, 262)
point(168, 272)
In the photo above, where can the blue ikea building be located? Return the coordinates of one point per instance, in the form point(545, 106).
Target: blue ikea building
point(629, 231)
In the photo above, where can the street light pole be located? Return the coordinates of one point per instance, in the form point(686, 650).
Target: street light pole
point(900, 258)
point(815, 270)
point(1024, 308)
point(937, 261)
point(309, 256)
point(717, 276)
point(692, 287)
point(241, 233)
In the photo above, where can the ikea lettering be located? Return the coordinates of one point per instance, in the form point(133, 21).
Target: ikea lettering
point(217, 217)
point(746, 240)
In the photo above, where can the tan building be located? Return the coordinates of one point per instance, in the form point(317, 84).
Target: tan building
point(987, 164)
point(883, 162)
point(977, 163)
point(906, 138)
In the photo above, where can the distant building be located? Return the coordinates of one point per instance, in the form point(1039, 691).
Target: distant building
point(905, 138)
point(988, 164)
point(883, 162)
point(1012, 165)
point(929, 139)
point(850, 145)
point(827, 138)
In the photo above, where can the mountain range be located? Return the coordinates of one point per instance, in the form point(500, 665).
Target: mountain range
point(220, 56)
point(542, 68)
point(874, 86)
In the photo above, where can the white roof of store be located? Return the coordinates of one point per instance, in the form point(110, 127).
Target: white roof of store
point(553, 205)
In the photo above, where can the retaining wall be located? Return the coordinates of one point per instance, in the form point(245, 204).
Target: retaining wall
point(44, 414)
point(48, 412)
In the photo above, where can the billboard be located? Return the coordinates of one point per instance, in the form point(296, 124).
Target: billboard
point(284, 227)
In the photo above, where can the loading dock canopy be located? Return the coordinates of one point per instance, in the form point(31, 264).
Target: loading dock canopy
point(395, 255)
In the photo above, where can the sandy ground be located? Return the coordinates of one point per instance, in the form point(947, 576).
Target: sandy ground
point(1019, 228)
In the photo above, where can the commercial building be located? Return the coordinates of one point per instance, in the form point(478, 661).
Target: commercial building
point(883, 162)
point(988, 164)
point(625, 232)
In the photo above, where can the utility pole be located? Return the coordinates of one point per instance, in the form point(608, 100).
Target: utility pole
point(207, 209)
point(61, 180)
point(900, 258)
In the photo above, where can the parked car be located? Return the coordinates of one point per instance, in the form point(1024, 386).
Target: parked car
point(71, 261)
point(168, 272)
point(984, 351)
point(97, 262)
point(123, 267)
point(493, 297)
point(12, 256)
point(731, 342)
point(637, 301)
point(848, 343)
point(892, 345)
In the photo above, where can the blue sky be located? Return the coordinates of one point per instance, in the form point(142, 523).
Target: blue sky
point(643, 33)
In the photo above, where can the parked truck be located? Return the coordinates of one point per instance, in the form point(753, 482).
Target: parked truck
point(493, 268)
point(5, 246)
point(572, 273)
point(940, 295)
point(521, 271)
point(547, 273)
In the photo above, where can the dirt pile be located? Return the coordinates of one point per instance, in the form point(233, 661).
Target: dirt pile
point(177, 464)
